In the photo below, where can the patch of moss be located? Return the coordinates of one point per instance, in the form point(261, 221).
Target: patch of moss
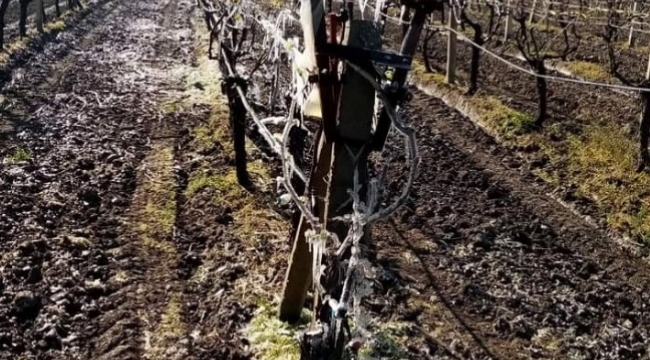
point(272, 339)
point(20, 154)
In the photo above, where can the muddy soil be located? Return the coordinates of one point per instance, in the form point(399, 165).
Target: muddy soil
point(82, 115)
point(111, 250)
point(483, 265)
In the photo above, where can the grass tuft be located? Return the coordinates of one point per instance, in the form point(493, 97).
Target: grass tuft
point(19, 155)
point(156, 215)
point(388, 342)
point(499, 116)
point(603, 165)
point(56, 25)
point(587, 70)
point(272, 339)
point(505, 119)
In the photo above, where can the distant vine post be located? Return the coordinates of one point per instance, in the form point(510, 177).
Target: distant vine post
point(452, 41)
point(631, 39)
point(509, 24)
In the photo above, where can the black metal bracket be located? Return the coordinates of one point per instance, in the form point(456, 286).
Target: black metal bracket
point(379, 57)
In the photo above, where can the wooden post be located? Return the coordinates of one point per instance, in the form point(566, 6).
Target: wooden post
point(647, 72)
point(39, 16)
point(334, 168)
point(509, 25)
point(451, 49)
point(631, 39)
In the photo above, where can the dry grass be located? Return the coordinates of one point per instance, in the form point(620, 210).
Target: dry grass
point(56, 25)
point(14, 47)
point(547, 340)
point(587, 70)
point(272, 339)
point(19, 154)
point(602, 164)
point(156, 196)
point(497, 115)
point(162, 342)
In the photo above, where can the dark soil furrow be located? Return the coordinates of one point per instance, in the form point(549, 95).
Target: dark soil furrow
point(491, 267)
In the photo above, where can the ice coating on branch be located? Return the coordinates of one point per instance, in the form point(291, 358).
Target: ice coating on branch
point(305, 97)
point(317, 245)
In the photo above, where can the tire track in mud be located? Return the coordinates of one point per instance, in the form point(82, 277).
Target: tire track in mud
point(77, 275)
point(481, 265)
point(150, 324)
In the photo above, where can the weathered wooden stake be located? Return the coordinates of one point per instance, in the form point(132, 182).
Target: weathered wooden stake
point(631, 39)
point(333, 173)
point(451, 49)
point(408, 48)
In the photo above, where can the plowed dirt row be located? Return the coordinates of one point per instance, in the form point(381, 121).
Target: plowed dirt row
point(88, 188)
point(483, 265)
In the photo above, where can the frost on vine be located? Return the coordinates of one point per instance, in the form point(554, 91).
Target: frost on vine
point(301, 61)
